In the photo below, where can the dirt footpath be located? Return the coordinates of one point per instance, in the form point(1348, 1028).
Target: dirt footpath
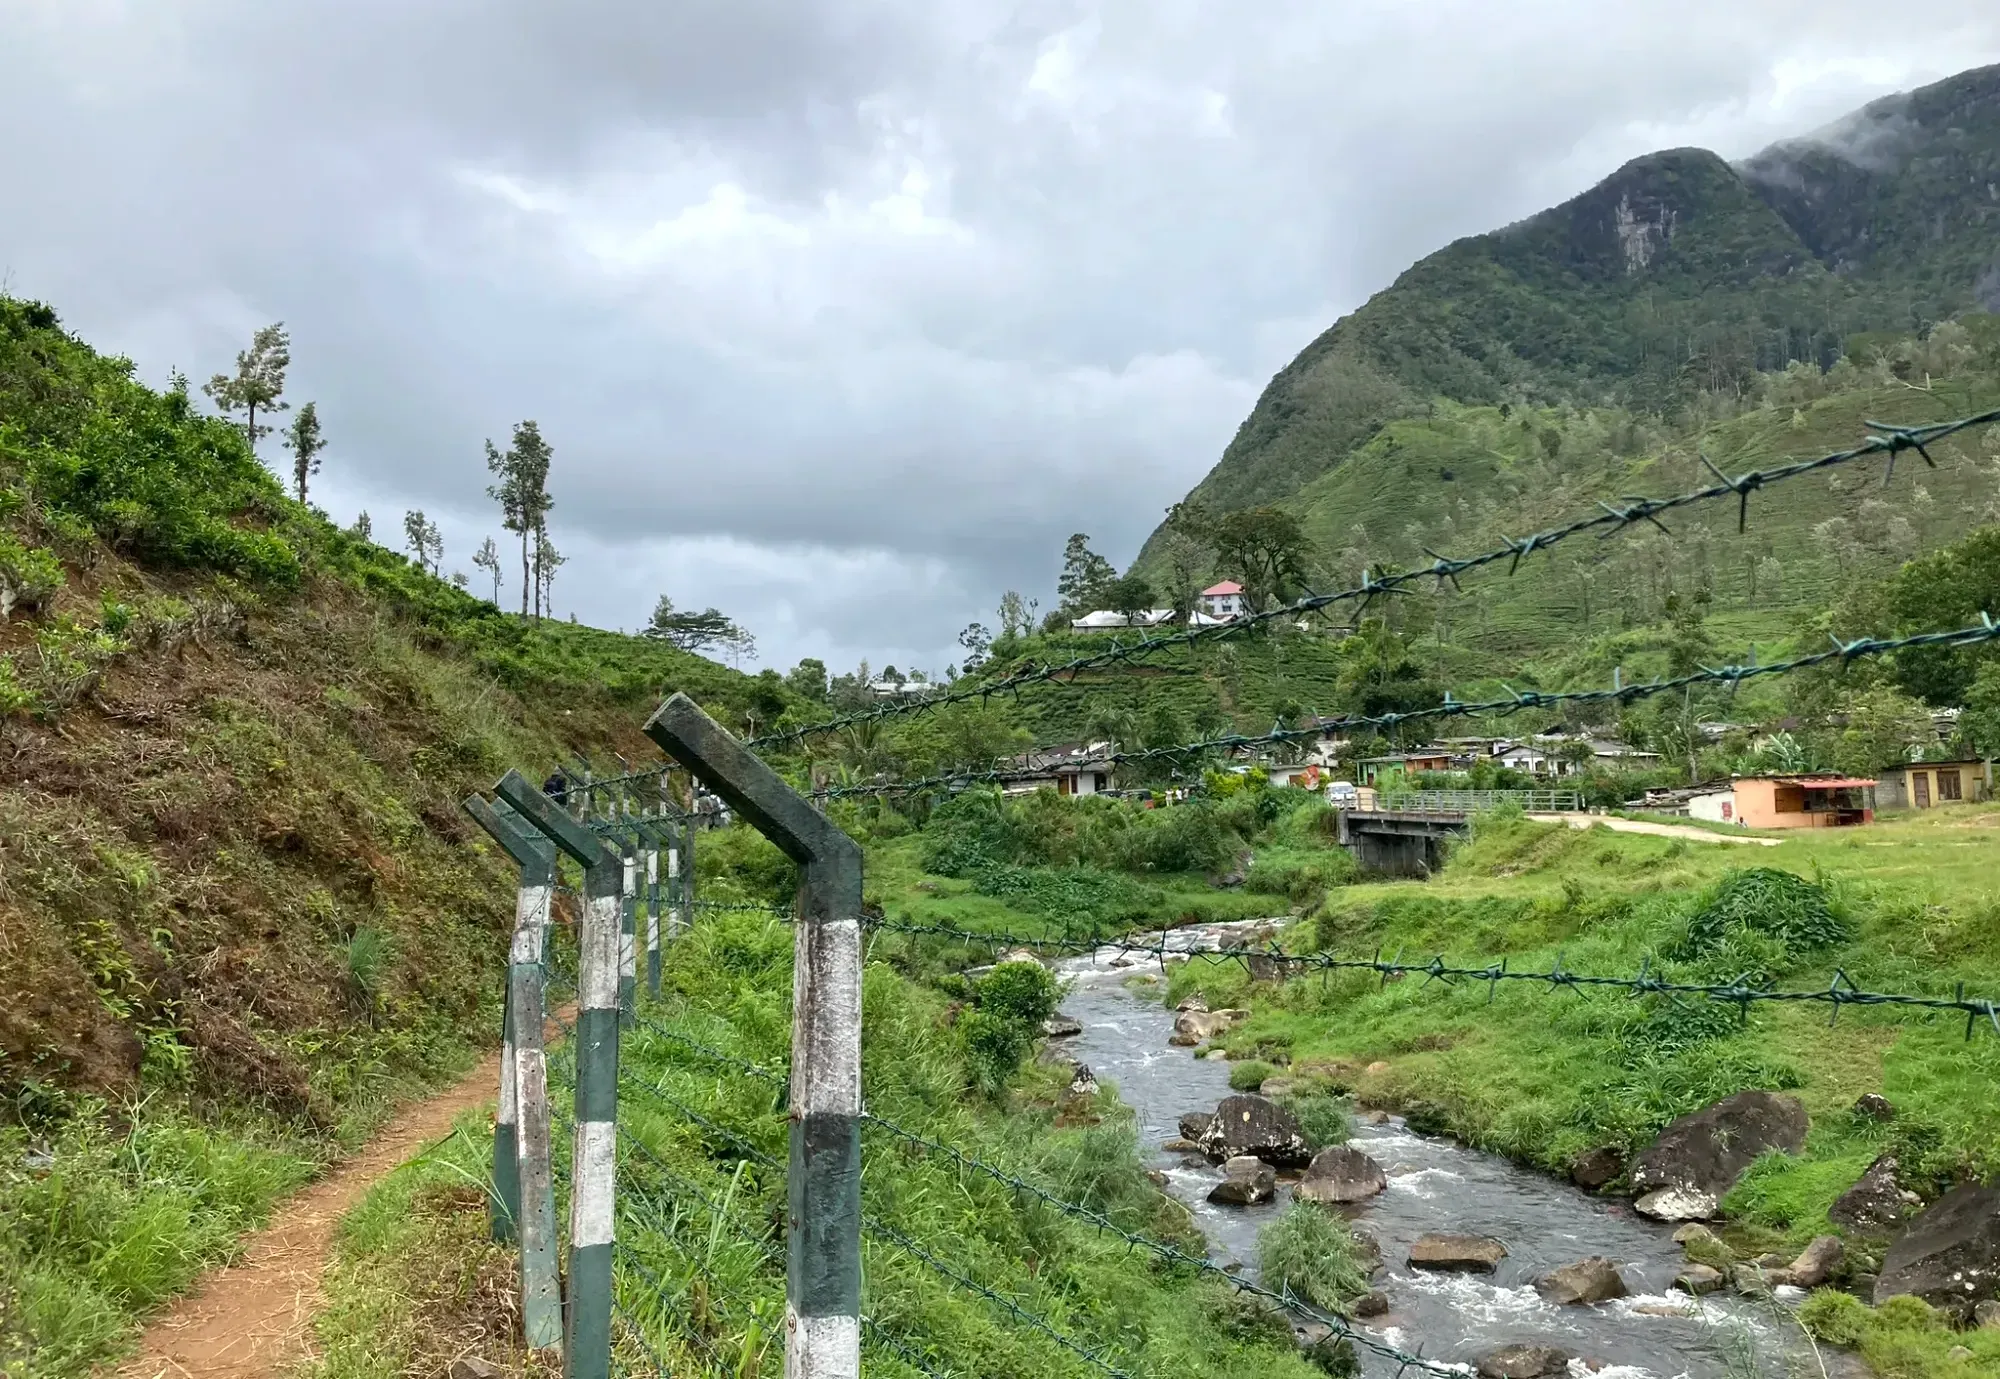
point(1693, 835)
point(253, 1319)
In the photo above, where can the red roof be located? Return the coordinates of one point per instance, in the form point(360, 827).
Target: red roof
point(1834, 782)
point(1228, 586)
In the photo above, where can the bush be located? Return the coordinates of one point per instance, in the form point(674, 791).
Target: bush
point(1324, 1119)
point(1310, 1251)
point(1009, 1005)
point(1023, 992)
point(1790, 912)
point(1249, 1075)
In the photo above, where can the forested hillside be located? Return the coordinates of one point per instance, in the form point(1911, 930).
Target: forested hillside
point(1649, 313)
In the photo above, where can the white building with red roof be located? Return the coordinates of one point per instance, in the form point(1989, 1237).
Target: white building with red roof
point(1224, 601)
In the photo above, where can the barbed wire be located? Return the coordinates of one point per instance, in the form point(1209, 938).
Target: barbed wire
point(1838, 994)
point(709, 1051)
point(1844, 652)
point(1095, 1357)
point(1884, 439)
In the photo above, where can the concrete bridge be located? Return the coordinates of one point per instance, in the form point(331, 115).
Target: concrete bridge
point(1401, 842)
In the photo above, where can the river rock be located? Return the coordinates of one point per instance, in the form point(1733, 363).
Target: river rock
point(1597, 1168)
point(1257, 1126)
point(1340, 1173)
point(1376, 1068)
point(1950, 1255)
point(1705, 1152)
point(473, 1367)
point(1061, 1026)
point(1699, 1280)
point(1959, 1354)
point(1877, 1202)
point(1874, 1106)
point(1200, 1026)
point(1371, 1304)
point(1279, 1086)
point(1194, 1000)
point(1247, 1180)
point(1181, 1147)
point(1818, 1262)
point(1523, 1362)
point(1703, 1246)
point(1083, 1082)
point(1710, 1148)
point(1986, 1316)
point(1587, 1281)
point(1444, 1251)
point(1194, 1124)
point(1677, 1204)
point(1018, 955)
point(1367, 1250)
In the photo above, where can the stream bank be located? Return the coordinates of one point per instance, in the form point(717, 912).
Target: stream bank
point(1436, 1184)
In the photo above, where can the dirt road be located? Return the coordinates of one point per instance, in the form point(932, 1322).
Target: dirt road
point(253, 1319)
point(1693, 835)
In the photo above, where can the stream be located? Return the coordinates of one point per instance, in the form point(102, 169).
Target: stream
point(1434, 1185)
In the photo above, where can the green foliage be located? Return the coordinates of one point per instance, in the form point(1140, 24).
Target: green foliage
point(1324, 1119)
point(1310, 1252)
point(29, 576)
point(1009, 1005)
point(1795, 914)
point(1249, 1075)
point(105, 1220)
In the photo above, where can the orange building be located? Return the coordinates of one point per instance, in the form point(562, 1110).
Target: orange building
point(1804, 801)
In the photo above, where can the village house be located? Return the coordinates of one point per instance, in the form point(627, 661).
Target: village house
point(1073, 768)
point(898, 689)
point(1811, 801)
point(1224, 601)
point(1926, 784)
point(1411, 762)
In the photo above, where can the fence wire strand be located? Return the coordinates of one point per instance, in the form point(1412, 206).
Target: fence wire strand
point(1884, 438)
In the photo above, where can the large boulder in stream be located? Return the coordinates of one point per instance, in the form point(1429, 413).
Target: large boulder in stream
point(1523, 1362)
point(1194, 1124)
point(1695, 1160)
point(1443, 1251)
point(1587, 1281)
point(1338, 1174)
point(1256, 1126)
point(1950, 1256)
point(1246, 1181)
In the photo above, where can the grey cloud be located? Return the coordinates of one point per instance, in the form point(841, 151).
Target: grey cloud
point(990, 272)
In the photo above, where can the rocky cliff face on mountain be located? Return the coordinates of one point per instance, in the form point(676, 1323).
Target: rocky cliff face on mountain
point(1678, 273)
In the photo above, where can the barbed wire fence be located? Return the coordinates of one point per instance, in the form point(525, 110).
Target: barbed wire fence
point(625, 1297)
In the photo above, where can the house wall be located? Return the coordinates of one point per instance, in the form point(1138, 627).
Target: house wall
point(1777, 804)
point(1718, 807)
point(1919, 786)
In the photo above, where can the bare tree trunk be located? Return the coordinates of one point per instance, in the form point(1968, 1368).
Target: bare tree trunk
point(524, 570)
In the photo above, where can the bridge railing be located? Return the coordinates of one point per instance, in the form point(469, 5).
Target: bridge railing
point(1478, 801)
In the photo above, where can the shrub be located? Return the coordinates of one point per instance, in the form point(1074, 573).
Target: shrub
point(1324, 1119)
point(1009, 1005)
point(1792, 913)
point(1249, 1075)
point(1023, 992)
point(29, 576)
point(1835, 1317)
point(1310, 1251)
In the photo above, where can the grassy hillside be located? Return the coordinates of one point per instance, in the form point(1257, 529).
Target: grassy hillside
point(240, 909)
point(1660, 293)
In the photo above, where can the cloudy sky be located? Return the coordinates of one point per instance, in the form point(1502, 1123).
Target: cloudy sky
point(840, 314)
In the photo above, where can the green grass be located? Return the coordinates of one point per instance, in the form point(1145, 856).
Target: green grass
point(1310, 1252)
point(96, 1225)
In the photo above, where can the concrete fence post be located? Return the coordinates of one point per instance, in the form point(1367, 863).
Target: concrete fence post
point(652, 914)
point(594, 1159)
point(524, 1187)
point(677, 913)
point(628, 905)
point(823, 1179)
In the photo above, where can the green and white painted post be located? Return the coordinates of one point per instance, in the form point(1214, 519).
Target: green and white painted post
point(594, 1161)
point(652, 853)
point(678, 873)
point(628, 905)
point(823, 1178)
point(524, 1205)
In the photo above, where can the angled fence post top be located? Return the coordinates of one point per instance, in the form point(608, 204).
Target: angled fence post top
point(571, 835)
point(750, 787)
point(514, 840)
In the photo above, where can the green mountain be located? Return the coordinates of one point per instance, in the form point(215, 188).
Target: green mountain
point(1542, 361)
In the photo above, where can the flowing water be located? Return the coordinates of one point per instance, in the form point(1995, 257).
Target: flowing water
point(1436, 1185)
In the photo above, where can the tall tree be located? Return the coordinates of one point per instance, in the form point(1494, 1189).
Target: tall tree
point(258, 383)
point(1130, 595)
point(364, 527)
point(305, 440)
point(1017, 614)
point(1186, 556)
point(688, 631)
point(1085, 576)
point(522, 490)
point(547, 561)
point(424, 540)
point(1267, 550)
point(487, 558)
point(976, 640)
